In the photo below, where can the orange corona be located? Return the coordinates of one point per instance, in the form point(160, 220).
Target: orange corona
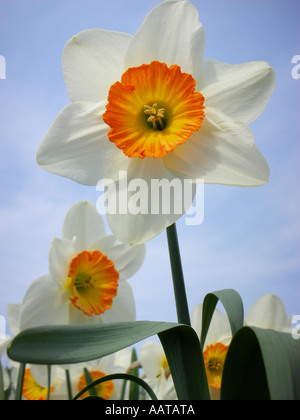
point(214, 359)
point(104, 390)
point(153, 110)
point(93, 282)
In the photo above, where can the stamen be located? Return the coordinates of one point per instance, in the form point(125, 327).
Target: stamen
point(156, 115)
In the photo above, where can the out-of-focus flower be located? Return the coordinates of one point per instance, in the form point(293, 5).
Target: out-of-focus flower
point(109, 390)
point(268, 312)
point(215, 348)
point(35, 383)
point(156, 369)
point(150, 106)
point(87, 276)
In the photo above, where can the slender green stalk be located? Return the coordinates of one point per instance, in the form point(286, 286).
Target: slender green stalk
point(69, 386)
point(19, 389)
point(2, 392)
point(89, 380)
point(183, 314)
point(49, 382)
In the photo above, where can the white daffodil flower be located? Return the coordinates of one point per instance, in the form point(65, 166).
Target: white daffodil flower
point(87, 276)
point(156, 369)
point(149, 106)
point(268, 312)
point(215, 348)
point(35, 383)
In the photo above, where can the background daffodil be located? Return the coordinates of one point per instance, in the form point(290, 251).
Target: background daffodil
point(87, 275)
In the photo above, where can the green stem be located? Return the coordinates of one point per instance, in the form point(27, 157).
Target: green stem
point(19, 389)
point(2, 391)
point(183, 314)
point(69, 386)
point(49, 382)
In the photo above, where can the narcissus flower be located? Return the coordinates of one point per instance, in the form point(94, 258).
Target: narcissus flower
point(87, 275)
point(268, 312)
point(215, 347)
point(156, 369)
point(150, 106)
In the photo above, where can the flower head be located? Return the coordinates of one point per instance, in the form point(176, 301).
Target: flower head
point(87, 275)
point(150, 105)
point(215, 347)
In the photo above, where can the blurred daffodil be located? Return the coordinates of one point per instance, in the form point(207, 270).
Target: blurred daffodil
point(215, 347)
point(157, 373)
point(88, 272)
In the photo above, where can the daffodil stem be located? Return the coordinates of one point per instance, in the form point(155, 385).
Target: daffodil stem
point(2, 393)
point(19, 389)
point(183, 314)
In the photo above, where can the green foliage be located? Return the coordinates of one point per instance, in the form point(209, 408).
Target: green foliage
point(58, 345)
point(260, 364)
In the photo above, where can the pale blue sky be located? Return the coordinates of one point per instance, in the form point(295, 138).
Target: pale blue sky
point(250, 238)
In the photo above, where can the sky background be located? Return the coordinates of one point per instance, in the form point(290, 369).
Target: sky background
point(250, 237)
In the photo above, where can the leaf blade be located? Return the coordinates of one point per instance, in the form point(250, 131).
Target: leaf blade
point(260, 365)
point(233, 306)
point(60, 345)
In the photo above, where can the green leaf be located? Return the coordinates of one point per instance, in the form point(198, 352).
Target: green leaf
point(58, 345)
point(19, 388)
point(134, 388)
point(185, 358)
point(114, 376)
point(261, 365)
point(233, 306)
point(89, 380)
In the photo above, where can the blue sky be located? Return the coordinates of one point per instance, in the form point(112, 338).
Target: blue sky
point(250, 238)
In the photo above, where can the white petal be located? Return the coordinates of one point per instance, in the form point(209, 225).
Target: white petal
point(143, 209)
point(268, 312)
point(77, 316)
point(123, 359)
point(44, 304)
point(123, 307)
point(240, 91)
point(77, 147)
point(13, 312)
point(61, 253)
point(151, 356)
point(83, 222)
point(221, 152)
point(127, 259)
point(4, 341)
point(92, 61)
point(171, 33)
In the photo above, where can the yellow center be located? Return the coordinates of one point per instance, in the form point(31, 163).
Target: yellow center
point(104, 390)
point(214, 358)
point(93, 282)
point(153, 110)
point(32, 391)
point(165, 366)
